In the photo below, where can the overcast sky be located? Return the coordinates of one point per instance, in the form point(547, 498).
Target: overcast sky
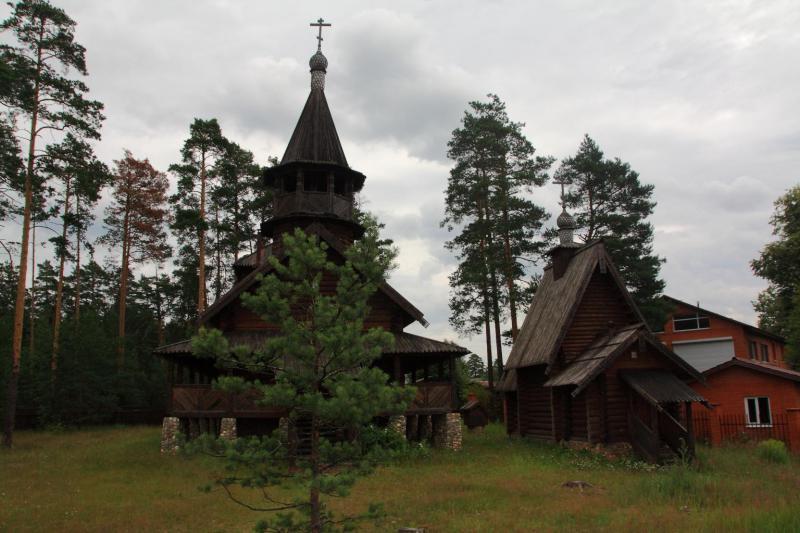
point(701, 98)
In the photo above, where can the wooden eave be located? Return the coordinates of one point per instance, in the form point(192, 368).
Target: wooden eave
point(317, 229)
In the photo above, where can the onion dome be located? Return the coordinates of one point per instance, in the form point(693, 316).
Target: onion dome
point(566, 226)
point(318, 62)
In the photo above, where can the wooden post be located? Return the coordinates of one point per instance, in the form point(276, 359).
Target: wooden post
point(690, 428)
point(330, 192)
point(398, 370)
point(451, 366)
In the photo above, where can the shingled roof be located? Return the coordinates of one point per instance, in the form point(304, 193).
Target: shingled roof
point(404, 344)
point(315, 138)
point(555, 303)
point(605, 350)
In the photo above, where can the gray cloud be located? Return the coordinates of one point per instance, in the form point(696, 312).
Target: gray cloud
point(700, 98)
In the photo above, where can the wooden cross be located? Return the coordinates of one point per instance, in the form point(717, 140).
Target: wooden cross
point(319, 24)
point(562, 181)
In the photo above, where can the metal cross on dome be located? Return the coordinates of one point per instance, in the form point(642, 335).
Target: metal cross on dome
point(562, 181)
point(320, 24)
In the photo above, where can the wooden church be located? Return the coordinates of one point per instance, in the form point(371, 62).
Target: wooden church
point(586, 368)
point(313, 189)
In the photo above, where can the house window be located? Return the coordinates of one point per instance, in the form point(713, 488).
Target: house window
point(753, 351)
point(689, 322)
point(757, 411)
point(764, 352)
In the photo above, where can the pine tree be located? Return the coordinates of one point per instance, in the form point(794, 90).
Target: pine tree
point(233, 197)
point(200, 151)
point(778, 306)
point(41, 90)
point(475, 367)
point(609, 202)
point(321, 358)
point(73, 163)
point(135, 221)
point(488, 199)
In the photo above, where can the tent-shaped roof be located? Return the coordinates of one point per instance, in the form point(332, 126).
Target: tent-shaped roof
point(315, 138)
point(554, 306)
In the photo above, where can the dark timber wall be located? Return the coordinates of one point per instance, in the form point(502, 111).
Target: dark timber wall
point(534, 403)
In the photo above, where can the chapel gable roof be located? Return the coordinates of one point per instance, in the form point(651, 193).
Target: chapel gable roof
point(555, 303)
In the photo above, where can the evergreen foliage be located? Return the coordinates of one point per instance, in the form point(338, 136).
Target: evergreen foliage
point(321, 361)
point(488, 201)
point(608, 201)
point(40, 58)
point(778, 306)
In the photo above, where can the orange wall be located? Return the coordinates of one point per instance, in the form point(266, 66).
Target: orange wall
point(720, 328)
point(728, 388)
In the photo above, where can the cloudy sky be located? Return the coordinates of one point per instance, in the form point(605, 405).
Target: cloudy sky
point(701, 98)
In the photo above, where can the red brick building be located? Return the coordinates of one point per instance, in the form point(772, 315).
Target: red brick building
point(750, 386)
point(706, 339)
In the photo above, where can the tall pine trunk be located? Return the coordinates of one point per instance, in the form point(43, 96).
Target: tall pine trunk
point(77, 262)
point(59, 286)
point(123, 287)
point(509, 268)
point(32, 314)
point(19, 304)
point(218, 288)
point(201, 237)
point(486, 303)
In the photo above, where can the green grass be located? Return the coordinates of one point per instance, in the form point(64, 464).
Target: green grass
point(114, 479)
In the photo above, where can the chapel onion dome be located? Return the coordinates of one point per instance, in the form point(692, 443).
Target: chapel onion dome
point(319, 65)
point(566, 221)
point(318, 62)
point(566, 227)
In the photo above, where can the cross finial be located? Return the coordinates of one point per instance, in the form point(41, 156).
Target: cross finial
point(320, 24)
point(562, 181)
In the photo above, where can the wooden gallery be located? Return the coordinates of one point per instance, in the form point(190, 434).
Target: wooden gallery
point(586, 368)
point(313, 189)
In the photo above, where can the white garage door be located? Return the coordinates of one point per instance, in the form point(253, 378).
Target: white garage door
point(705, 354)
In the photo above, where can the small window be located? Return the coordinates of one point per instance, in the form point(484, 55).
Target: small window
point(757, 411)
point(753, 350)
point(764, 352)
point(689, 322)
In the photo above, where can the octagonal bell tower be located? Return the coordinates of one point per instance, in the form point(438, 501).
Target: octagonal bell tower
point(313, 182)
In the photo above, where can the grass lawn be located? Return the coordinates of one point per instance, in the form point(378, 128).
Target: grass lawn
point(114, 479)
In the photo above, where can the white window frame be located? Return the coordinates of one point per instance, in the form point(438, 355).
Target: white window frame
point(696, 318)
point(757, 424)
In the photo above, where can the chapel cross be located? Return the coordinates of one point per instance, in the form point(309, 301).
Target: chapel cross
point(562, 181)
point(320, 24)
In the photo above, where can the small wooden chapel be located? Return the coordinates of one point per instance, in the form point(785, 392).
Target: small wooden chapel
point(314, 189)
point(585, 366)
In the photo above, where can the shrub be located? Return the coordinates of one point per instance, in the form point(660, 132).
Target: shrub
point(773, 451)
